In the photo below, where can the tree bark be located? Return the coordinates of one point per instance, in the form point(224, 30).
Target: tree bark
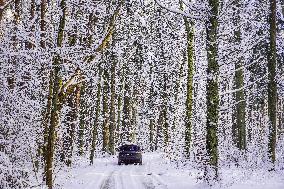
point(272, 86)
point(54, 121)
point(97, 114)
point(112, 124)
point(43, 23)
point(212, 95)
point(2, 3)
point(165, 121)
point(56, 104)
point(73, 101)
point(106, 112)
point(126, 126)
point(119, 107)
point(189, 27)
point(239, 127)
point(82, 122)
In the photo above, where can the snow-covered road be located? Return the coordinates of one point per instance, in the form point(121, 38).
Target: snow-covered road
point(157, 173)
point(106, 174)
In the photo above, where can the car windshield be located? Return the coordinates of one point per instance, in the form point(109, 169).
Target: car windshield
point(129, 148)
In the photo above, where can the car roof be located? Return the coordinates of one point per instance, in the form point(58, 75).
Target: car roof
point(129, 145)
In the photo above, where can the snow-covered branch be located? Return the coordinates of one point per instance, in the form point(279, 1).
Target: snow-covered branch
point(3, 7)
point(244, 87)
point(190, 16)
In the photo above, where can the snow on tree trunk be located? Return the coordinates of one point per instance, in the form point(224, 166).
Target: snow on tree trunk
point(212, 97)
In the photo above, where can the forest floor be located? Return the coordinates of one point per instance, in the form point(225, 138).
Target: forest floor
point(157, 173)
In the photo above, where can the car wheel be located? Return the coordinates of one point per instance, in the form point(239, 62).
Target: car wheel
point(140, 163)
point(119, 163)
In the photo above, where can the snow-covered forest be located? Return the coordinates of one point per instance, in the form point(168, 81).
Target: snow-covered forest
point(198, 84)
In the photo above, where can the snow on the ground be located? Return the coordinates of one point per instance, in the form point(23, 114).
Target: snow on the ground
point(157, 173)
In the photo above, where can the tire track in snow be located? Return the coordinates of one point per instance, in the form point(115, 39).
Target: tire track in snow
point(117, 179)
point(120, 180)
point(151, 180)
point(96, 183)
point(126, 178)
point(137, 175)
point(109, 182)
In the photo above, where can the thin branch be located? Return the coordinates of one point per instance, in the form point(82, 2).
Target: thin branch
point(229, 107)
point(241, 88)
point(3, 7)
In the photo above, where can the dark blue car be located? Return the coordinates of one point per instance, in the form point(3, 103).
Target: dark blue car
point(129, 154)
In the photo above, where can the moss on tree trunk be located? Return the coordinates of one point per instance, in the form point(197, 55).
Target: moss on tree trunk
point(212, 96)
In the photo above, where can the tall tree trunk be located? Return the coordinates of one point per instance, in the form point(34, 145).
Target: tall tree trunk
point(47, 111)
point(239, 127)
point(119, 107)
point(177, 89)
point(151, 137)
point(56, 104)
point(106, 112)
point(112, 123)
point(165, 121)
point(11, 79)
point(272, 86)
point(2, 3)
point(73, 101)
point(151, 116)
point(46, 117)
point(126, 126)
point(29, 44)
point(43, 23)
point(189, 27)
point(212, 96)
point(133, 122)
point(17, 10)
point(82, 122)
point(54, 122)
point(97, 114)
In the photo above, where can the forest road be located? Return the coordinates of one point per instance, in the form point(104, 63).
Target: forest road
point(106, 174)
point(133, 176)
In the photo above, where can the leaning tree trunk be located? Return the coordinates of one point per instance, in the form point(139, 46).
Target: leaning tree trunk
point(272, 86)
point(212, 96)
